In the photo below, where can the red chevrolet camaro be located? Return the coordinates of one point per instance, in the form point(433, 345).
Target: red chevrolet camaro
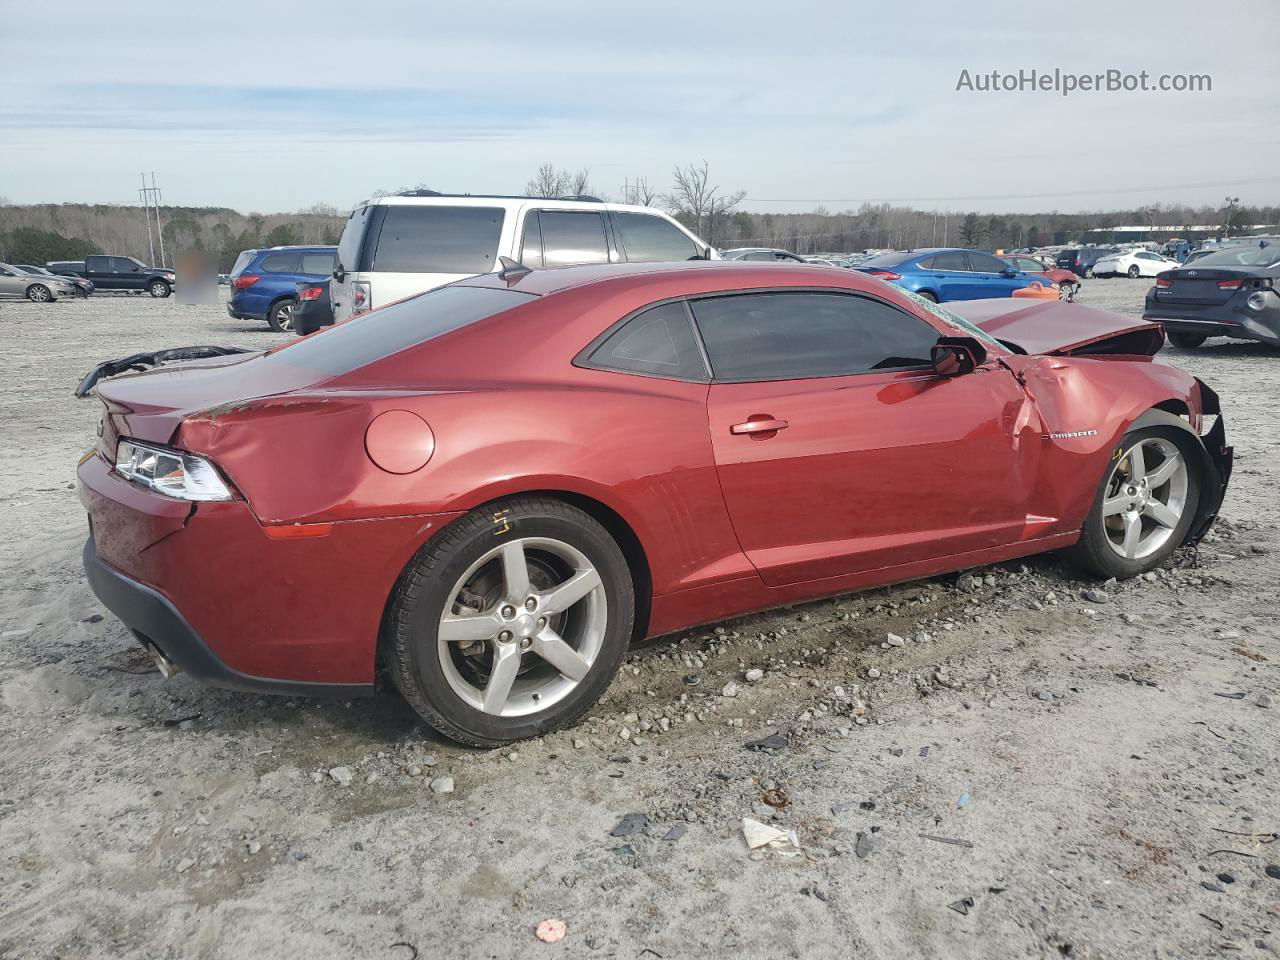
point(490, 490)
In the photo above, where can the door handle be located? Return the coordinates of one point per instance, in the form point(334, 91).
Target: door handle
point(759, 425)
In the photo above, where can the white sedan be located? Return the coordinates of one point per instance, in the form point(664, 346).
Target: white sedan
point(1134, 263)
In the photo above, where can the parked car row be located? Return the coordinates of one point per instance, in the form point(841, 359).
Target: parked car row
point(118, 274)
point(41, 287)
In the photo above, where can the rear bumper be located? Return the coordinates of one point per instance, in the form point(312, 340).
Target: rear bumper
point(244, 308)
point(1231, 319)
point(157, 623)
point(208, 586)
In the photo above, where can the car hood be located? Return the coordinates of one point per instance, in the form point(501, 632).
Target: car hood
point(1058, 328)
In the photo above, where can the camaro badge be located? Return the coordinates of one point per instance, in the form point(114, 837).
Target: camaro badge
point(1072, 435)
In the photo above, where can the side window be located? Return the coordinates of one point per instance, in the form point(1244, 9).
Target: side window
point(650, 239)
point(97, 264)
point(433, 239)
point(1032, 266)
point(570, 238)
point(793, 336)
point(925, 263)
point(279, 263)
point(951, 260)
point(985, 263)
point(531, 241)
point(122, 265)
point(658, 342)
point(761, 255)
point(317, 263)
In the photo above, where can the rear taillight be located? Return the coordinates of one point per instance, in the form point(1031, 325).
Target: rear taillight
point(245, 281)
point(1228, 284)
point(361, 297)
point(1163, 282)
point(311, 293)
point(885, 274)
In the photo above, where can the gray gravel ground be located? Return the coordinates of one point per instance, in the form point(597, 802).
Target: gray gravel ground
point(1111, 802)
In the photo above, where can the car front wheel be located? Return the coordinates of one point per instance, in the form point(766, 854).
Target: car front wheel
point(39, 293)
point(511, 622)
point(1144, 506)
point(158, 288)
point(1088, 273)
point(1187, 341)
point(1067, 291)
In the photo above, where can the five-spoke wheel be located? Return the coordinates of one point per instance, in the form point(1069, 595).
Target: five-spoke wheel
point(1145, 504)
point(511, 621)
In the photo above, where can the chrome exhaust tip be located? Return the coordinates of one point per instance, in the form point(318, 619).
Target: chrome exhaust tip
point(166, 666)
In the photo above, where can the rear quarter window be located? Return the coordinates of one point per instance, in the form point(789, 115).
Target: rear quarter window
point(435, 239)
point(319, 264)
point(279, 263)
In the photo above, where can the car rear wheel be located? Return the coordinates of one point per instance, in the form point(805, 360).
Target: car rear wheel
point(280, 316)
point(926, 295)
point(1144, 506)
point(1133, 272)
point(39, 293)
point(511, 622)
point(1187, 341)
point(158, 288)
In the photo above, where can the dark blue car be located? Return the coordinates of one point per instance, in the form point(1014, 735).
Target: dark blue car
point(264, 283)
point(942, 274)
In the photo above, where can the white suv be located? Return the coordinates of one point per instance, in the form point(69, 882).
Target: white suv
point(394, 247)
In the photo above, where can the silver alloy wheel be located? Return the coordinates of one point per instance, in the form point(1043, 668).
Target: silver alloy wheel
point(39, 294)
point(523, 628)
point(1145, 498)
point(1066, 292)
point(284, 316)
point(158, 289)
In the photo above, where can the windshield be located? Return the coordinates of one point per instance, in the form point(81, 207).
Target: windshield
point(398, 326)
point(1242, 256)
point(954, 320)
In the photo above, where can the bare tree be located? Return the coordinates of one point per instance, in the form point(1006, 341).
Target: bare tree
point(640, 193)
point(700, 200)
point(581, 184)
point(550, 182)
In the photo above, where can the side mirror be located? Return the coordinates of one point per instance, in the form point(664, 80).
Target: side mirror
point(955, 356)
point(1009, 272)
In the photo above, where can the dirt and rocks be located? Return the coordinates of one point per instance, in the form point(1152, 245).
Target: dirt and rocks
point(1007, 763)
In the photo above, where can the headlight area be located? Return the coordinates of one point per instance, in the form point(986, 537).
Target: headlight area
point(173, 473)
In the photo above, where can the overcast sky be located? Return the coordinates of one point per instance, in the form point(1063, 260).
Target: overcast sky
point(273, 106)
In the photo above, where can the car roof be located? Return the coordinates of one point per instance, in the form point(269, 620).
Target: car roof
point(320, 247)
point(732, 274)
point(431, 199)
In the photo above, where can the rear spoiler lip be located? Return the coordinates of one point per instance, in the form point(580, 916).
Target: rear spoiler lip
point(139, 362)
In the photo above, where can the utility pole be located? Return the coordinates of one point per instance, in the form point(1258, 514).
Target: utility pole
point(1231, 203)
point(144, 196)
point(151, 199)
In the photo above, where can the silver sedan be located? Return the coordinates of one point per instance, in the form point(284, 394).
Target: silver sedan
point(39, 289)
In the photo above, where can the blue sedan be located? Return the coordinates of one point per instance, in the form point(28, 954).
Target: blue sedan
point(942, 274)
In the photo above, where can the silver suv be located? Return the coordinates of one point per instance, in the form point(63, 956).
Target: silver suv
point(395, 247)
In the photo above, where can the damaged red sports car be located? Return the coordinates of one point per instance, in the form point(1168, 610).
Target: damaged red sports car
point(488, 491)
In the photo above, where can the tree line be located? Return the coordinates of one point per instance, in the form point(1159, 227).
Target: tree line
point(42, 232)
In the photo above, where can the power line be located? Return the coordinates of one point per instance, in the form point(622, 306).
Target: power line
point(1021, 196)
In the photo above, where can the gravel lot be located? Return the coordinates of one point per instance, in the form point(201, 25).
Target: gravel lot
point(1112, 800)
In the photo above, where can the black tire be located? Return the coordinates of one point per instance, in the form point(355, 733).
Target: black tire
point(1088, 273)
point(39, 293)
point(1133, 272)
point(1187, 341)
point(926, 295)
point(1093, 553)
point(409, 644)
point(159, 289)
point(1068, 291)
point(280, 316)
